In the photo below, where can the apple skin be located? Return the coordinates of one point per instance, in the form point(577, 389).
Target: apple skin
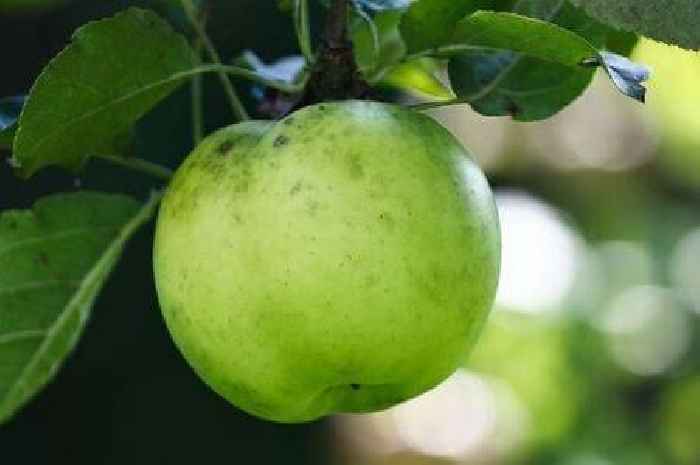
point(343, 259)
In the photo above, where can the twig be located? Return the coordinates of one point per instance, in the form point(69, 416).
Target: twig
point(301, 24)
point(337, 25)
point(196, 92)
point(236, 104)
point(139, 164)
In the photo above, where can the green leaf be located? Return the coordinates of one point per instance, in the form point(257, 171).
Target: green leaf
point(534, 37)
point(7, 136)
point(10, 108)
point(388, 50)
point(674, 22)
point(621, 42)
point(418, 77)
point(430, 23)
point(502, 83)
point(93, 92)
point(55, 259)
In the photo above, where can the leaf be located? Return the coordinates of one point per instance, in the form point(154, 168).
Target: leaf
point(528, 90)
point(418, 77)
point(384, 65)
point(674, 22)
point(93, 92)
point(621, 42)
point(285, 6)
point(627, 76)
point(390, 48)
point(430, 23)
point(55, 259)
point(502, 83)
point(534, 37)
point(10, 108)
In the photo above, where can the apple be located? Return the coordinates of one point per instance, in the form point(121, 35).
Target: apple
point(343, 259)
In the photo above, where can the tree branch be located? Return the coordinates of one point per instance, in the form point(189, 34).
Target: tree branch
point(236, 105)
point(139, 164)
point(335, 74)
point(337, 25)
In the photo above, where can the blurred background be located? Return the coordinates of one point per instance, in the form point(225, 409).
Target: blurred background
point(592, 353)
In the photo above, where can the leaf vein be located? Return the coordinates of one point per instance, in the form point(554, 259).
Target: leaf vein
point(50, 237)
point(33, 285)
point(14, 336)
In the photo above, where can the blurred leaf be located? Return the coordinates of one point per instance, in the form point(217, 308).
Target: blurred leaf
point(29, 6)
point(93, 92)
point(286, 6)
point(530, 354)
point(7, 136)
point(373, 5)
point(675, 109)
point(55, 259)
point(381, 5)
point(621, 42)
point(390, 48)
point(286, 69)
point(10, 108)
point(680, 420)
point(674, 22)
point(430, 23)
point(418, 76)
point(627, 75)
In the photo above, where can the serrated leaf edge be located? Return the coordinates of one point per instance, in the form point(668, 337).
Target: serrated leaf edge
point(28, 171)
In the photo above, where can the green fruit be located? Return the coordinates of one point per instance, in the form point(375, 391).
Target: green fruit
point(343, 259)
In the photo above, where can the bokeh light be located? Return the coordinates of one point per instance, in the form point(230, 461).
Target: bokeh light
point(674, 102)
point(684, 269)
point(485, 138)
point(528, 352)
point(595, 133)
point(540, 254)
point(609, 268)
point(647, 332)
point(462, 417)
point(465, 418)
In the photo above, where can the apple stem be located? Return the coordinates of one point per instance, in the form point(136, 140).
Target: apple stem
point(337, 25)
point(335, 74)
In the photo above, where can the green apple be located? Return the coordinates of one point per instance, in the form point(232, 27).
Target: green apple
point(343, 259)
